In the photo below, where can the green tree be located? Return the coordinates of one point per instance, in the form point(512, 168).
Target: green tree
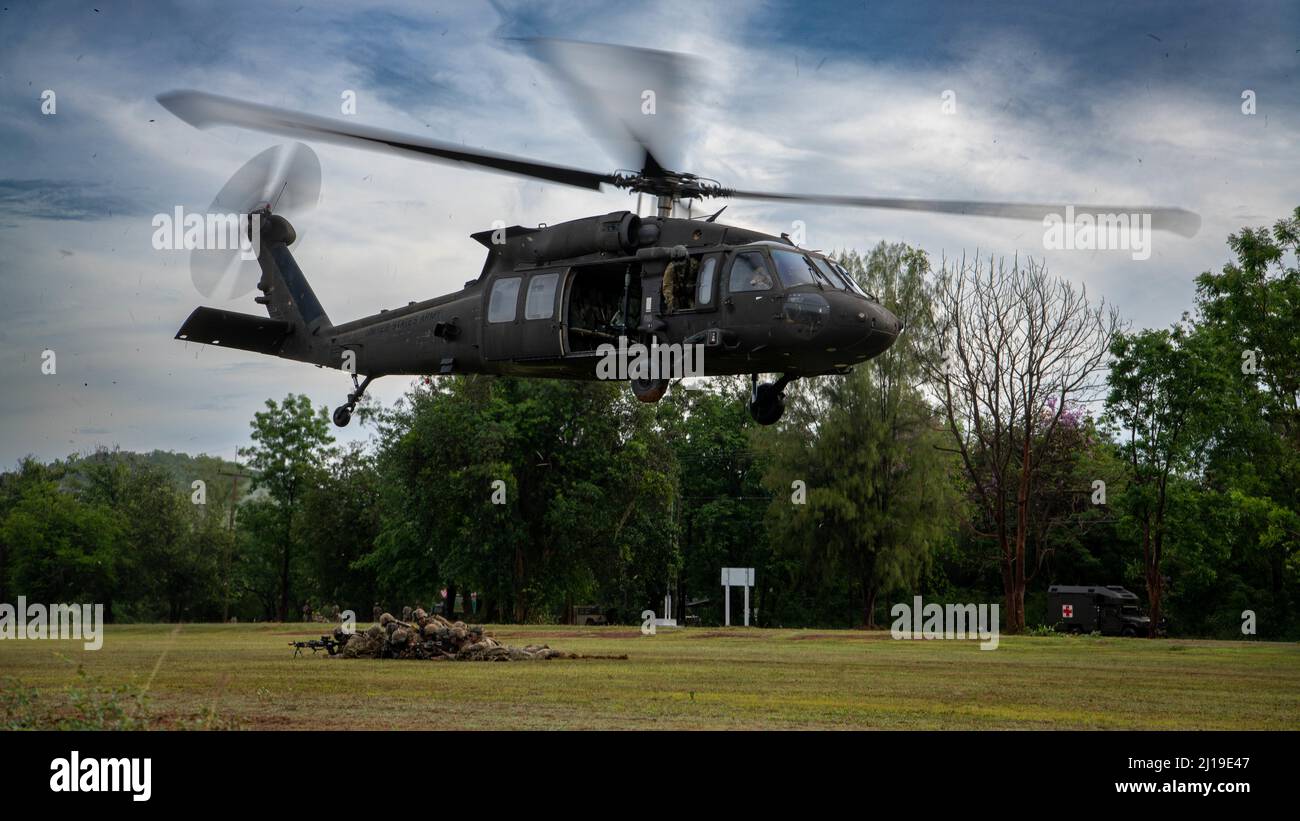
point(291, 443)
point(720, 501)
point(1249, 312)
point(867, 447)
point(1164, 392)
point(343, 508)
point(64, 549)
point(173, 569)
point(521, 489)
point(1019, 349)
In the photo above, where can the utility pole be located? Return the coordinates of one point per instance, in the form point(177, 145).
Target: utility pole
point(234, 503)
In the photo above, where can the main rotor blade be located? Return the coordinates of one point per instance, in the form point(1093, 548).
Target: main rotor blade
point(203, 110)
point(1177, 220)
point(633, 100)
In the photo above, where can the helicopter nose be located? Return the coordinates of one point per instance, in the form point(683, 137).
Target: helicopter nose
point(874, 329)
point(887, 324)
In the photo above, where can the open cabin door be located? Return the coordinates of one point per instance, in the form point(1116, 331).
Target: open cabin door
point(594, 305)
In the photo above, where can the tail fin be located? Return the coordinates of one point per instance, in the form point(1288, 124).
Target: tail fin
point(285, 291)
point(298, 327)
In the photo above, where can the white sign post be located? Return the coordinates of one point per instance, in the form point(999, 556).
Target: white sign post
point(667, 620)
point(740, 577)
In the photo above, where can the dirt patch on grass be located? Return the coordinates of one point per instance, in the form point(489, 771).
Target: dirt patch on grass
point(822, 637)
point(324, 629)
point(569, 634)
point(722, 635)
point(855, 635)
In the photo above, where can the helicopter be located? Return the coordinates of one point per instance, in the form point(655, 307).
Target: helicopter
point(555, 301)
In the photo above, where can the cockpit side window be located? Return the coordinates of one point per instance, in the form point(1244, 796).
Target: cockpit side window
point(704, 290)
point(749, 273)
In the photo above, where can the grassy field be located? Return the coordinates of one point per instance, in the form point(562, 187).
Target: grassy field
point(245, 676)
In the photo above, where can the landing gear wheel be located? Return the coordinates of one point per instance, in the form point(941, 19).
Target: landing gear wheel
point(767, 404)
point(649, 390)
point(343, 413)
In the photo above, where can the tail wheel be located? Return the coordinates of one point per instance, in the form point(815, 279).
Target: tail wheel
point(649, 390)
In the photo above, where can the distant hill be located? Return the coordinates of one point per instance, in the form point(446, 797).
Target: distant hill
point(184, 469)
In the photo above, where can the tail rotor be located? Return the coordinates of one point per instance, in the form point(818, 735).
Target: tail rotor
point(284, 179)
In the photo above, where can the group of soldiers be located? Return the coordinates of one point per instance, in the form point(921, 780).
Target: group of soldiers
point(408, 613)
point(332, 614)
point(311, 614)
point(423, 635)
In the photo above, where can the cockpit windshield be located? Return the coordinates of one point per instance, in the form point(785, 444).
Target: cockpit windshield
point(793, 269)
point(842, 278)
point(830, 274)
point(826, 274)
point(852, 283)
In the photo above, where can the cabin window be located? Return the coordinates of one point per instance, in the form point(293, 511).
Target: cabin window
point(749, 273)
point(504, 301)
point(688, 283)
point(541, 296)
point(678, 288)
point(704, 291)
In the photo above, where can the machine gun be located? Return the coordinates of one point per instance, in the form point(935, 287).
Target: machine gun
point(326, 643)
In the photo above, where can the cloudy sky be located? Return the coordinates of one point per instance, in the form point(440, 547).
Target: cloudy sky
point(1087, 102)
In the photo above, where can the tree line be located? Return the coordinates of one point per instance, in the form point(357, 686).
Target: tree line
point(1018, 434)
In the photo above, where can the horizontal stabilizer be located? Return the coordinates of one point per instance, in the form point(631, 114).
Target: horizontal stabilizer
point(229, 329)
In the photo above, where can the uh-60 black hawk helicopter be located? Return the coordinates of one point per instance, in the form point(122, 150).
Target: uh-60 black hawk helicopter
point(548, 298)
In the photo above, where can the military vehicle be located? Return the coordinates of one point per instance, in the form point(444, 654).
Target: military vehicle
point(589, 615)
point(1109, 610)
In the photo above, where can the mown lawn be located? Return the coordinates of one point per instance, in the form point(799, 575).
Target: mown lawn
point(245, 676)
